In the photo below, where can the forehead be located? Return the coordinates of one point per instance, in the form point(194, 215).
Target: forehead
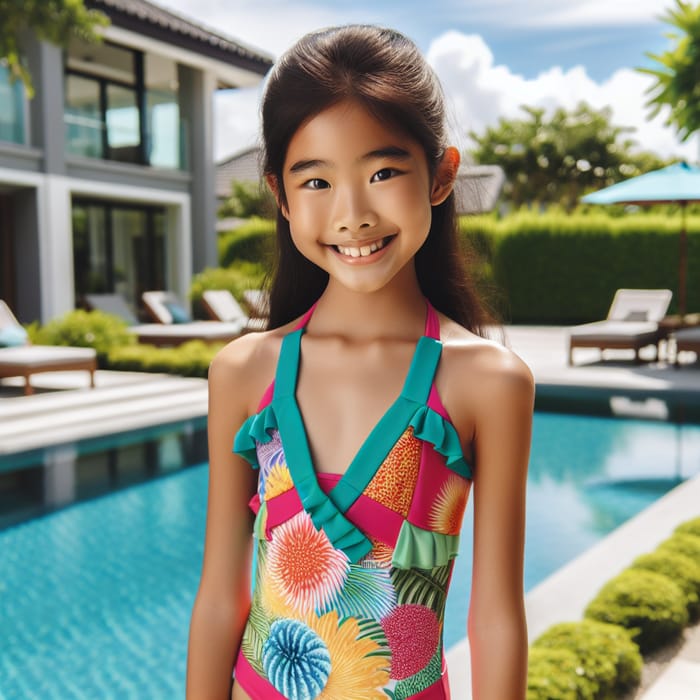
point(346, 131)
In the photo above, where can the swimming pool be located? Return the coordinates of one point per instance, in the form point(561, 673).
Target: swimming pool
point(95, 598)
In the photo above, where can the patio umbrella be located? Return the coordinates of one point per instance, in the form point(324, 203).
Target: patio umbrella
point(675, 184)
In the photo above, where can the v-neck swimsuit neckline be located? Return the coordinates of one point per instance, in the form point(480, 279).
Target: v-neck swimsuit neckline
point(373, 450)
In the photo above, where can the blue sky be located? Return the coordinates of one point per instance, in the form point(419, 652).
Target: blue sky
point(491, 55)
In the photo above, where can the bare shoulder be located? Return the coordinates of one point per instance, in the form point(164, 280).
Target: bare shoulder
point(480, 376)
point(245, 367)
point(482, 361)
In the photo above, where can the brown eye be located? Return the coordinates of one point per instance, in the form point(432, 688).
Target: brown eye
point(384, 174)
point(316, 183)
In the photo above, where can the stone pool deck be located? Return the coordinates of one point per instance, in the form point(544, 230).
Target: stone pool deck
point(65, 409)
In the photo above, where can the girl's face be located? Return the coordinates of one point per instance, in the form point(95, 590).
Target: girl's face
point(359, 196)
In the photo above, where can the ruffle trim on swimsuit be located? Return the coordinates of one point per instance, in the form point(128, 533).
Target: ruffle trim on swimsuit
point(423, 549)
point(430, 426)
point(339, 530)
point(256, 428)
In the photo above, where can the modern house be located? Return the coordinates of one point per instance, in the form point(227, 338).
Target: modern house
point(107, 179)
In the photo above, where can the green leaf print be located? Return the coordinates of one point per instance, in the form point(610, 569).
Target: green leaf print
point(372, 629)
point(256, 632)
point(422, 587)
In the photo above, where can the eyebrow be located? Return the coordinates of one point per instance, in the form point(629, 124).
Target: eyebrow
point(394, 152)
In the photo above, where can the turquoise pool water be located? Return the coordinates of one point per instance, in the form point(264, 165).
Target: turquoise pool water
point(95, 598)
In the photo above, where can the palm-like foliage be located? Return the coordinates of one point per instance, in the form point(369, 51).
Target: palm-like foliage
point(677, 79)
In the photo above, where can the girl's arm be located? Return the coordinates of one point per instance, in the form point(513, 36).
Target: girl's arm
point(223, 599)
point(502, 429)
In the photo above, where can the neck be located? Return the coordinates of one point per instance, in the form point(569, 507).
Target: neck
point(395, 311)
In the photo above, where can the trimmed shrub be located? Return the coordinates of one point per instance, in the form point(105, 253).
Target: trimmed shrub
point(254, 241)
point(237, 279)
point(650, 605)
point(681, 569)
point(685, 544)
point(86, 329)
point(609, 662)
point(690, 527)
point(553, 674)
point(191, 359)
point(565, 268)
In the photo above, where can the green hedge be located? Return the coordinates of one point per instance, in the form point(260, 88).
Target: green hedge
point(681, 569)
point(564, 268)
point(691, 527)
point(191, 359)
point(643, 607)
point(553, 675)
point(238, 278)
point(608, 663)
point(85, 329)
point(253, 241)
point(651, 605)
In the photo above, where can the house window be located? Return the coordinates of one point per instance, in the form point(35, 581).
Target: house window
point(118, 248)
point(12, 126)
point(122, 105)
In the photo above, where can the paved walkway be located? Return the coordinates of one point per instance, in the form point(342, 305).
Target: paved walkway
point(123, 401)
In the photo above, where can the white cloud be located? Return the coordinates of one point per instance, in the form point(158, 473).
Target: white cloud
point(479, 93)
point(555, 13)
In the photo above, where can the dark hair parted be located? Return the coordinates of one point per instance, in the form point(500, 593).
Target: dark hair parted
point(384, 72)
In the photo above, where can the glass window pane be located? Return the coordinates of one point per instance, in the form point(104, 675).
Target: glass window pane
point(11, 108)
point(90, 254)
point(162, 112)
point(123, 124)
point(83, 117)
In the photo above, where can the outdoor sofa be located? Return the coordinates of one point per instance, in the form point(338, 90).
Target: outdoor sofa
point(18, 358)
point(632, 323)
point(165, 331)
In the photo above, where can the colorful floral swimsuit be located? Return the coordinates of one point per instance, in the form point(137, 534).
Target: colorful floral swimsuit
point(352, 570)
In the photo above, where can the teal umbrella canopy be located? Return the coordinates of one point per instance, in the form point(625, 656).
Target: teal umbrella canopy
point(676, 184)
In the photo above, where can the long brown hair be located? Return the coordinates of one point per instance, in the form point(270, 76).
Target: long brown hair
point(384, 71)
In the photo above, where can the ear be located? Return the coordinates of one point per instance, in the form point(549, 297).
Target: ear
point(274, 188)
point(445, 176)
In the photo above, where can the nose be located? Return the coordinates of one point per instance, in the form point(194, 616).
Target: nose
point(353, 211)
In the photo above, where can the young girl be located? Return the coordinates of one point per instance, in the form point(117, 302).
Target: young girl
point(367, 410)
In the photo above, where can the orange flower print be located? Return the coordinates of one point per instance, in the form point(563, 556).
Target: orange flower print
point(447, 511)
point(305, 571)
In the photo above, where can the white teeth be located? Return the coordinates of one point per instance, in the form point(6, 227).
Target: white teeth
point(362, 251)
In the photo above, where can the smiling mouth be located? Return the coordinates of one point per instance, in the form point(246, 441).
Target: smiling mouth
point(365, 250)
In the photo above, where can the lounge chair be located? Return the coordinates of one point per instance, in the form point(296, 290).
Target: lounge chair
point(165, 332)
point(687, 339)
point(24, 360)
point(221, 305)
point(173, 324)
point(632, 323)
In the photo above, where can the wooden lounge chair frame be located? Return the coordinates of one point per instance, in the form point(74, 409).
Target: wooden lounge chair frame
point(27, 360)
point(632, 323)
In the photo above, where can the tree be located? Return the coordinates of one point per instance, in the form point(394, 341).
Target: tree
point(52, 20)
point(556, 159)
point(248, 199)
point(677, 79)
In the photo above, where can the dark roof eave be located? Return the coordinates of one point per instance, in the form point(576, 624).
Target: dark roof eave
point(223, 50)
